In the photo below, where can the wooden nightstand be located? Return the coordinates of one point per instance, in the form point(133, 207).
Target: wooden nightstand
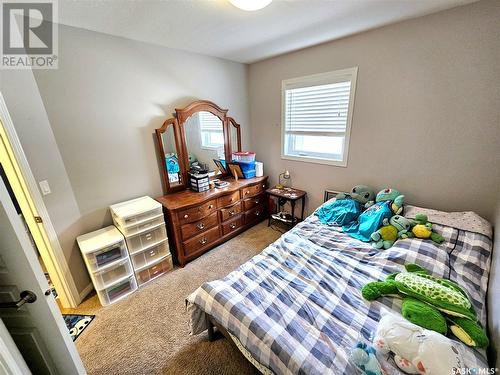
point(286, 195)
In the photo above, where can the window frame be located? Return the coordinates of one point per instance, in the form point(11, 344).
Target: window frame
point(312, 80)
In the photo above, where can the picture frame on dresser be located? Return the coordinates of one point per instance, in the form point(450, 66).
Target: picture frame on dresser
point(198, 221)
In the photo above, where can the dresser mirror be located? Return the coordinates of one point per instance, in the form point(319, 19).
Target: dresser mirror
point(204, 140)
point(196, 135)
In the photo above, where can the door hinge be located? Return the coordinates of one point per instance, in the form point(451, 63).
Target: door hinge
point(38, 219)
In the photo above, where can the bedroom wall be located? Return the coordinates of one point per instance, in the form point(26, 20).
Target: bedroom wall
point(426, 116)
point(103, 104)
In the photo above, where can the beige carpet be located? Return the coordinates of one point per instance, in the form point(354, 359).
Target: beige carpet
point(148, 332)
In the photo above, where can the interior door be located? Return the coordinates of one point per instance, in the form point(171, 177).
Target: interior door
point(37, 328)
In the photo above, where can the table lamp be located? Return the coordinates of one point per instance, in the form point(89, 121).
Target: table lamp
point(286, 176)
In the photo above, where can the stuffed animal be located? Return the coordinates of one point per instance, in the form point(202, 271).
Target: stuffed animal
point(417, 350)
point(363, 356)
point(397, 200)
point(347, 206)
point(360, 193)
point(421, 228)
point(392, 229)
point(431, 303)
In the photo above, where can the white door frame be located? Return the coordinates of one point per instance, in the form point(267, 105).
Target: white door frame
point(23, 182)
point(11, 360)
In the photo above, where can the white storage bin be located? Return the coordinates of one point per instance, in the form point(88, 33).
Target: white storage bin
point(117, 291)
point(135, 211)
point(102, 247)
point(149, 256)
point(112, 273)
point(162, 266)
point(141, 226)
point(146, 238)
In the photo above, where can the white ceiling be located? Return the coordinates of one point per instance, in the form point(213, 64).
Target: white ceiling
point(216, 28)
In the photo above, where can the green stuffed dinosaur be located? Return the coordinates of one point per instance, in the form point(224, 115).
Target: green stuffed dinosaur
point(431, 303)
point(397, 227)
point(421, 228)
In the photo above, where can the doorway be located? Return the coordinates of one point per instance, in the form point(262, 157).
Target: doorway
point(19, 178)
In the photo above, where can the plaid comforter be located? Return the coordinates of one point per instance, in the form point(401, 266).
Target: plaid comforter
point(297, 307)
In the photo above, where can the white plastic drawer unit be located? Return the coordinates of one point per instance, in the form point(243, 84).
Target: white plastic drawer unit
point(102, 247)
point(117, 291)
point(146, 238)
point(130, 215)
point(141, 226)
point(153, 271)
point(113, 272)
point(149, 256)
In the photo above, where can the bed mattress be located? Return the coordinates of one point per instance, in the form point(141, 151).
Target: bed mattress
point(296, 308)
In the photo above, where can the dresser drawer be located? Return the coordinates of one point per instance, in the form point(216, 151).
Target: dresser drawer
point(197, 213)
point(253, 190)
point(200, 241)
point(255, 214)
point(227, 200)
point(252, 202)
point(230, 212)
point(232, 225)
point(192, 229)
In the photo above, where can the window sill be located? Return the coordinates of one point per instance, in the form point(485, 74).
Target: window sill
point(305, 159)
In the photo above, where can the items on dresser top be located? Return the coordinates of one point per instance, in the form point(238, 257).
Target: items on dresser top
point(105, 254)
point(283, 195)
point(142, 223)
point(198, 222)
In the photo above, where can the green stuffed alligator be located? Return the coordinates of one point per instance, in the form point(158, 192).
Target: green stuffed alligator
point(431, 303)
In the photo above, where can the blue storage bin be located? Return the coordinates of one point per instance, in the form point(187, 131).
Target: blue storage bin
point(247, 167)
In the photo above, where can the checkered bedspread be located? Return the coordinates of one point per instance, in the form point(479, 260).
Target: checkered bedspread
point(297, 306)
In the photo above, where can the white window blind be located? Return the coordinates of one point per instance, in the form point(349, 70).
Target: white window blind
point(317, 112)
point(212, 135)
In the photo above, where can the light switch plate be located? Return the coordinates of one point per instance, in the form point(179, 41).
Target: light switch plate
point(44, 187)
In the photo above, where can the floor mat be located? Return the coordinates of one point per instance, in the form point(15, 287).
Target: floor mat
point(77, 323)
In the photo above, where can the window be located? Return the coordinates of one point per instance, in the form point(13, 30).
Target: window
point(212, 135)
point(316, 117)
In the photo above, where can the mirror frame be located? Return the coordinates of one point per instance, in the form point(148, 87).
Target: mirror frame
point(178, 122)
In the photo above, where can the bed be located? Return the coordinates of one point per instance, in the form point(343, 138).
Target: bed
point(296, 308)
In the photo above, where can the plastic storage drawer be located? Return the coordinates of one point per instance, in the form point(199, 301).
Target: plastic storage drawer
point(117, 291)
point(112, 273)
point(99, 259)
point(149, 256)
point(135, 211)
point(155, 270)
point(146, 238)
point(141, 226)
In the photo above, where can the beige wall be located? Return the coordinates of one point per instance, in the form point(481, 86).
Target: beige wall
point(426, 115)
point(96, 147)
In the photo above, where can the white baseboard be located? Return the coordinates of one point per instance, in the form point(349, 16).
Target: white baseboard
point(85, 292)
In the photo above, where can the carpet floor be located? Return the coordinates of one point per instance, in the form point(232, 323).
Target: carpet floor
point(148, 332)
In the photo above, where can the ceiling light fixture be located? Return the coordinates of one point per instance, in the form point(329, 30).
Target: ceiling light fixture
point(250, 5)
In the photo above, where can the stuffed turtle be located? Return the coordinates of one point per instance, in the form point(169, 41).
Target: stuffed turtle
point(393, 195)
point(360, 193)
point(392, 229)
point(421, 228)
point(431, 303)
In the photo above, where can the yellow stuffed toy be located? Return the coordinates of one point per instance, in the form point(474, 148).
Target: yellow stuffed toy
point(421, 228)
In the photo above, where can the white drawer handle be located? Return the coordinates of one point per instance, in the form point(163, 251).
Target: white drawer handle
point(186, 216)
point(149, 236)
point(231, 213)
point(200, 226)
point(263, 185)
point(233, 225)
point(257, 201)
point(152, 253)
point(203, 241)
point(257, 213)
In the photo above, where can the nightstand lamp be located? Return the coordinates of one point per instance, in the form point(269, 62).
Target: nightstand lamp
point(286, 176)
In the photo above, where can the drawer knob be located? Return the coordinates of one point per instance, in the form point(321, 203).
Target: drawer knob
point(203, 241)
point(200, 226)
point(231, 213)
point(257, 213)
point(233, 225)
point(186, 216)
point(263, 185)
point(246, 192)
point(257, 201)
point(211, 206)
point(230, 199)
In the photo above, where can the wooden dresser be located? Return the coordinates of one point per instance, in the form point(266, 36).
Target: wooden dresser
point(198, 222)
